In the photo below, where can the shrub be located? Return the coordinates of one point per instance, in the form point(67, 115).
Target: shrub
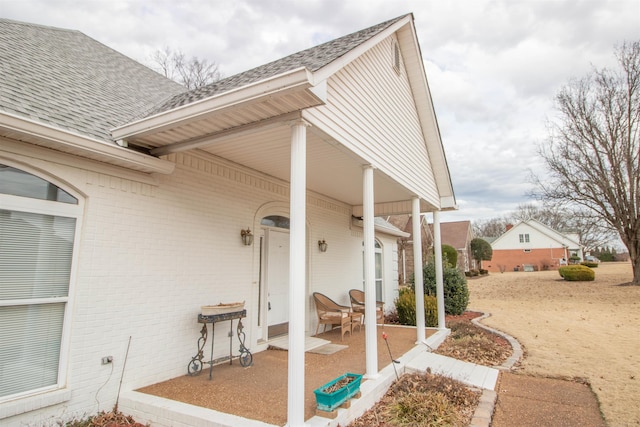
point(481, 250)
point(456, 292)
point(589, 264)
point(406, 308)
point(577, 273)
point(450, 255)
point(483, 272)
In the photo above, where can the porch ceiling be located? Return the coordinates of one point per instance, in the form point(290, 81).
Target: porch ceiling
point(331, 169)
point(264, 145)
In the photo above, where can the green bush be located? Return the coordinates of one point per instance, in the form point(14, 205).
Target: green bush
point(449, 255)
point(577, 273)
point(589, 264)
point(456, 292)
point(406, 308)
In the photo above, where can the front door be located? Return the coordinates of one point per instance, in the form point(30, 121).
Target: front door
point(277, 281)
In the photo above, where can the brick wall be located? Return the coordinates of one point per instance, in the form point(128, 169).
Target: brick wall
point(508, 260)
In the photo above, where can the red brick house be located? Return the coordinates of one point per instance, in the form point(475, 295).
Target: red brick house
point(457, 234)
point(530, 246)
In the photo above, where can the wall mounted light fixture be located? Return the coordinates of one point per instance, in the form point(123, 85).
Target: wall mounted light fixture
point(247, 237)
point(322, 245)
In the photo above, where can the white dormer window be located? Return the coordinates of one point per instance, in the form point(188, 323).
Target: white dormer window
point(524, 238)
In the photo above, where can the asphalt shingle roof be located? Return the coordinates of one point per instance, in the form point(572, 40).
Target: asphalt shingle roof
point(313, 59)
point(66, 79)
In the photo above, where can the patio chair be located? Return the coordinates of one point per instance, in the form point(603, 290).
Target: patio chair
point(331, 313)
point(357, 304)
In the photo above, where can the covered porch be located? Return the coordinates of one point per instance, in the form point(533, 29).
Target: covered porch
point(257, 395)
point(318, 167)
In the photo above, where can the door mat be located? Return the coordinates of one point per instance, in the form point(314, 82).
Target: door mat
point(328, 349)
point(310, 343)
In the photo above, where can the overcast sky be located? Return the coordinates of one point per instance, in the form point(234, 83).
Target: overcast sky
point(493, 66)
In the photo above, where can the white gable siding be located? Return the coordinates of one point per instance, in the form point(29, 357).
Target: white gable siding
point(371, 111)
point(537, 238)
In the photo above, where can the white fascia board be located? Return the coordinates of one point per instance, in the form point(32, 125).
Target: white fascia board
point(68, 141)
point(426, 112)
point(448, 203)
point(299, 78)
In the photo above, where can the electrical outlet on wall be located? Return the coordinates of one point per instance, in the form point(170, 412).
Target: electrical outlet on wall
point(107, 359)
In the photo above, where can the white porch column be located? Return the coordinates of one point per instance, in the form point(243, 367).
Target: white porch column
point(417, 270)
point(371, 331)
point(437, 243)
point(297, 274)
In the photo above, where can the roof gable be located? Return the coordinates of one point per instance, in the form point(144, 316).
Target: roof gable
point(456, 234)
point(525, 226)
point(312, 59)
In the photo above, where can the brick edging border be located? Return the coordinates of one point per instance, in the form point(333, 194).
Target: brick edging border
point(515, 345)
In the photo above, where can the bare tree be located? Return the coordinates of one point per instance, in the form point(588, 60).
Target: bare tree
point(192, 73)
point(594, 147)
point(552, 216)
point(493, 227)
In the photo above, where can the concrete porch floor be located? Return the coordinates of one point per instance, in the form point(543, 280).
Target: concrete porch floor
point(257, 395)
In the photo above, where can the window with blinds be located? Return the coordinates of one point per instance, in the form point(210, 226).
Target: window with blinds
point(38, 223)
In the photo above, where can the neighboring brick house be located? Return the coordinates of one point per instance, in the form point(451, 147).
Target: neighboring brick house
point(457, 234)
point(405, 245)
point(124, 200)
point(531, 245)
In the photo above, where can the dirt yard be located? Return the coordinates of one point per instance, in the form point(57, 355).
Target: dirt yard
point(573, 330)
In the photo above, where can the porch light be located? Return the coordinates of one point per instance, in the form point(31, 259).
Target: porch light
point(322, 245)
point(247, 237)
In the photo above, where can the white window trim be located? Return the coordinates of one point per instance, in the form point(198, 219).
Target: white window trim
point(43, 397)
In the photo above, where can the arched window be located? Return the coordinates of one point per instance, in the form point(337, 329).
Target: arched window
point(38, 228)
point(275, 221)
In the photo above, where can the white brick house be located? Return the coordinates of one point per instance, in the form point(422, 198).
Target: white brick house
point(122, 200)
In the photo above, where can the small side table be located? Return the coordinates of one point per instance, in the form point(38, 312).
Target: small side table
point(245, 356)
